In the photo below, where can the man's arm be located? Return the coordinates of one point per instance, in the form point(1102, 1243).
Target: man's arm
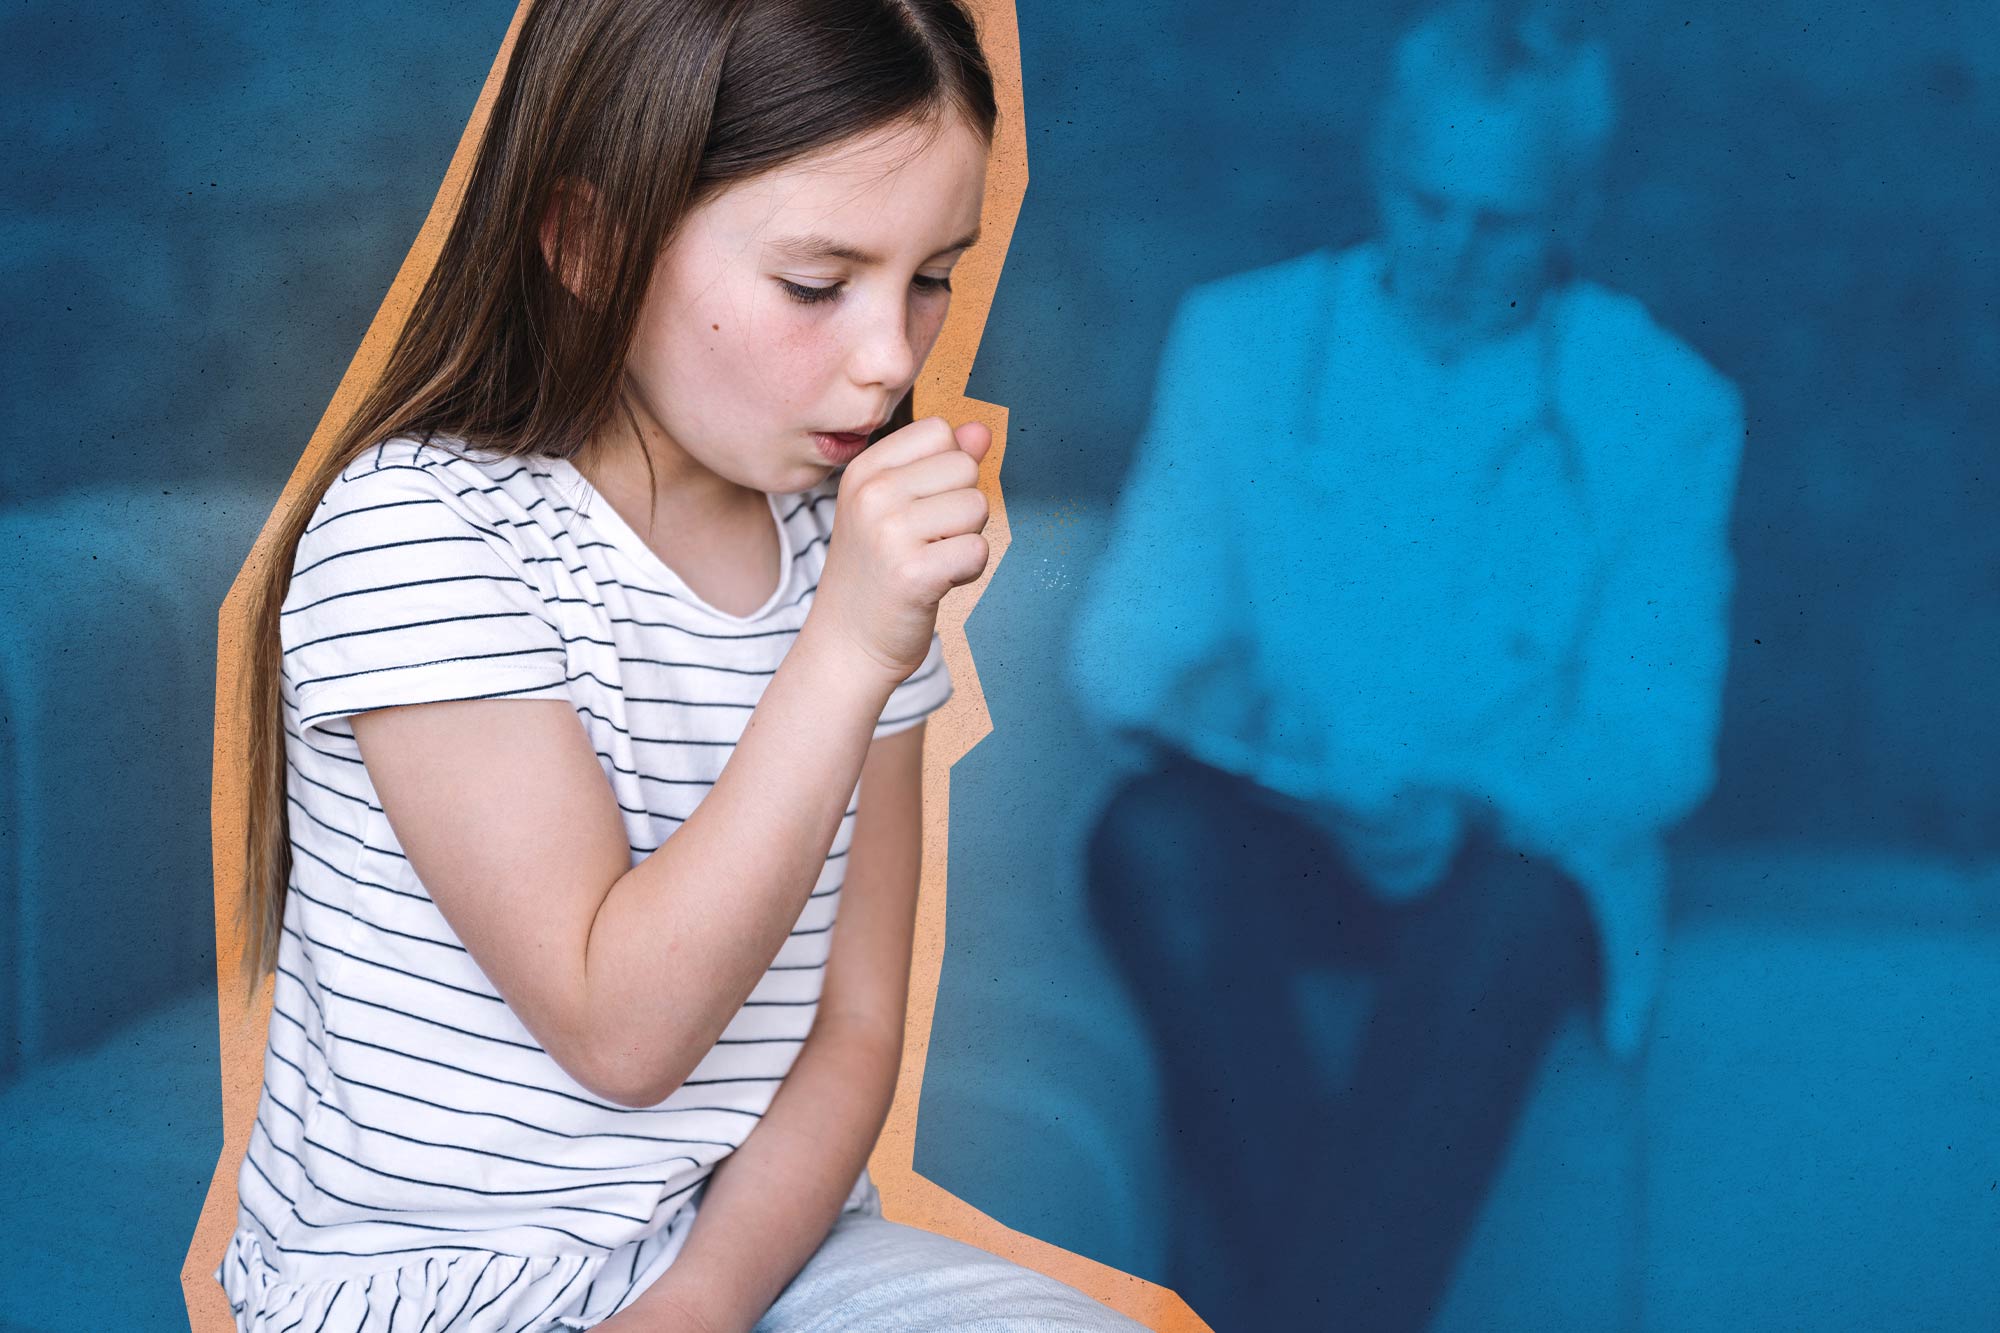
point(770, 1203)
point(1635, 753)
point(1163, 600)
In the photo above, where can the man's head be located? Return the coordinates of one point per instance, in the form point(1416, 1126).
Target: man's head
point(1485, 155)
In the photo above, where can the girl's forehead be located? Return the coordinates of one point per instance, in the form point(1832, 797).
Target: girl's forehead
point(896, 187)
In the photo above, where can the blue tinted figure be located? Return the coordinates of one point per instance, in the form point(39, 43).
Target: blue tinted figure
point(1412, 616)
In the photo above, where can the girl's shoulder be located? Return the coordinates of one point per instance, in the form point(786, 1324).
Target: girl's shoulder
point(424, 573)
point(473, 480)
point(405, 490)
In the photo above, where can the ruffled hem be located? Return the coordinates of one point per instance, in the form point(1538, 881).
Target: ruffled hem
point(477, 1291)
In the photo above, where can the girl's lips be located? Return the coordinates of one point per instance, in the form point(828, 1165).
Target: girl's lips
point(843, 447)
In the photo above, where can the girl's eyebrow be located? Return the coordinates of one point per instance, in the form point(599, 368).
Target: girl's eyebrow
point(812, 247)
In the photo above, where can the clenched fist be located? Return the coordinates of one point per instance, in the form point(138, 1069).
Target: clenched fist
point(906, 531)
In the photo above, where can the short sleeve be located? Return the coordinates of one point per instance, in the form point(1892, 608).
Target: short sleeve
point(403, 592)
point(922, 694)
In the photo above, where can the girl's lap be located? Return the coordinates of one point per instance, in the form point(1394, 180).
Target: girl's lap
point(872, 1275)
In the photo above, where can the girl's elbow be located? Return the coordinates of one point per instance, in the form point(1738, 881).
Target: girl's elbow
point(625, 1076)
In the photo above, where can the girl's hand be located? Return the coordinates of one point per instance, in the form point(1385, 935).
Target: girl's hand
point(906, 531)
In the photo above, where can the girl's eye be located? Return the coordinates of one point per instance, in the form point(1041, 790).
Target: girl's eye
point(805, 295)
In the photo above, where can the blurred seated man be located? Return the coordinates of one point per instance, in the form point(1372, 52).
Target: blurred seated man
point(1413, 615)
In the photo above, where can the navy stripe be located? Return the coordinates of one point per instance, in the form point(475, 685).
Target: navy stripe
point(273, 1098)
point(540, 1314)
point(368, 509)
point(413, 624)
point(666, 624)
point(428, 1249)
point(307, 991)
point(301, 570)
point(400, 971)
point(639, 699)
point(329, 1307)
point(373, 925)
point(563, 1133)
point(625, 660)
point(811, 503)
point(337, 832)
point(468, 1294)
point(329, 790)
point(524, 1161)
point(434, 1022)
point(651, 740)
point(324, 754)
point(392, 587)
point(355, 879)
point(504, 1290)
point(462, 1189)
point(275, 1188)
point(429, 661)
point(391, 703)
point(531, 1087)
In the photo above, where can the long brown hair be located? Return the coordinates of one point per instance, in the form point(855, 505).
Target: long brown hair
point(613, 120)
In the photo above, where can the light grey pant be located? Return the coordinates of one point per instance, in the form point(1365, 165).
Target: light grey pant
point(871, 1275)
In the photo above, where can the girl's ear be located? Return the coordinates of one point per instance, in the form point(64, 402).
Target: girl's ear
point(567, 224)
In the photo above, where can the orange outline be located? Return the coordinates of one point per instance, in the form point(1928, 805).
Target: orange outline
point(961, 724)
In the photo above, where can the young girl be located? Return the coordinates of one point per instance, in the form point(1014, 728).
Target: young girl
point(577, 720)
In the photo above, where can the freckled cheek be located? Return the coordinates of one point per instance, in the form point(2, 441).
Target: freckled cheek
point(926, 323)
point(799, 359)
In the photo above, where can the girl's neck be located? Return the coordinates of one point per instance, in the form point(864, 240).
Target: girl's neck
point(675, 486)
point(715, 535)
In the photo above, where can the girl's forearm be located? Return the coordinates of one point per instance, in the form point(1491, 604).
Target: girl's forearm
point(770, 1204)
point(684, 936)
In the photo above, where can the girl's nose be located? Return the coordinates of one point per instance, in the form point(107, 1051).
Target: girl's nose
point(883, 353)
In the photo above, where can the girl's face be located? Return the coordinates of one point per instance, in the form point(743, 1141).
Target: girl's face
point(802, 302)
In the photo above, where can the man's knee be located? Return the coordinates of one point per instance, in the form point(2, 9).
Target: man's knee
point(1527, 916)
point(1151, 865)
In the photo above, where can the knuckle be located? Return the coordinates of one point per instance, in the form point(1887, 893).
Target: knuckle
point(870, 498)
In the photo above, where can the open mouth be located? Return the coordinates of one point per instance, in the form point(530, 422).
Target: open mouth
point(840, 446)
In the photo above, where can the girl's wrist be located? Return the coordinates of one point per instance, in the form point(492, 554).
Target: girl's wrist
point(840, 660)
point(675, 1304)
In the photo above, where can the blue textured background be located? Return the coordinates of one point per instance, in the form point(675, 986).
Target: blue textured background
point(207, 202)
point(1805, 193)
point(205, 205)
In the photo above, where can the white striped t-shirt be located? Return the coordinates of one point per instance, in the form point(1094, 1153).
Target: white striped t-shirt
point(418, 1160)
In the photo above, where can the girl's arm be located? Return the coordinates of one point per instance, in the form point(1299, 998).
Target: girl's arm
point(627, 974)
point(770, 1203)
